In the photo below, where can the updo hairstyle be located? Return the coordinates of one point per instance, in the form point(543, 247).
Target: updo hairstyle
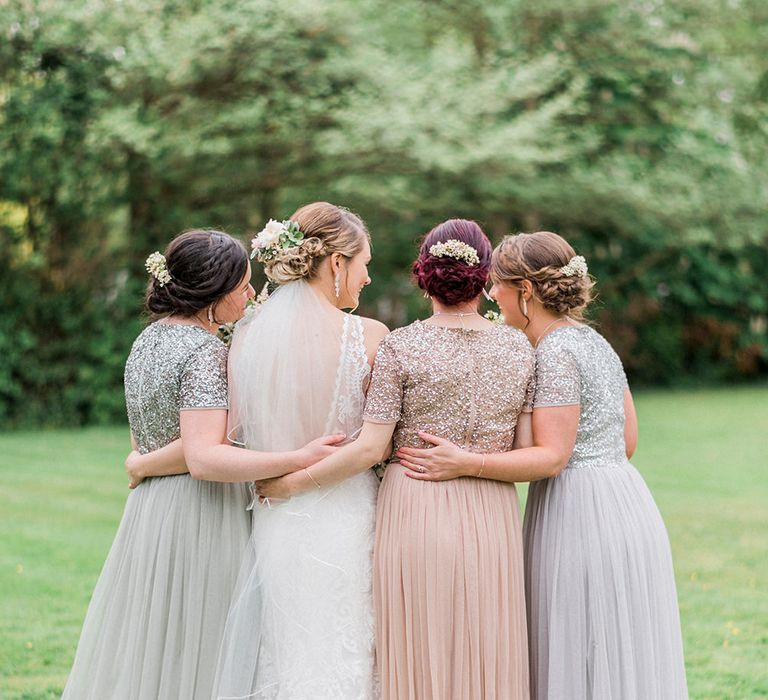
point(538, 257)
point(204, 266)
point(327, 229)
point(449, 280)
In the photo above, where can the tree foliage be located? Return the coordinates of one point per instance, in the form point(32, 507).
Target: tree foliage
point(637, 130)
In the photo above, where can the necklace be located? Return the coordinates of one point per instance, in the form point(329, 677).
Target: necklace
point(446, 313)
point(541, 335)
point(195, 321)
point(460, 315)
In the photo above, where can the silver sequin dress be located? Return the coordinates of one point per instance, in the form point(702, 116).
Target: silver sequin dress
point(602, 606)
point(156, 618)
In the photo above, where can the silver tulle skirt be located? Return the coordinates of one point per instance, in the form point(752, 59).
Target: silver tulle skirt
point(603, 618)
point(157, 615)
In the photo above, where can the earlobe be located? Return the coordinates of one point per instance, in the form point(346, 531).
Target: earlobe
point(527, 290)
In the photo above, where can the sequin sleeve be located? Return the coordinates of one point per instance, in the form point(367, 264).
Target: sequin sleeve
point(530, 392)
point(204, 380)
point(557, 377)
point(385, 392)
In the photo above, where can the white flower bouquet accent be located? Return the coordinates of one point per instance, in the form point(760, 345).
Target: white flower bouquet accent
point(576, 267)
point(455, 249)
point(156, 266)
point(275, 236)
point(494, 316)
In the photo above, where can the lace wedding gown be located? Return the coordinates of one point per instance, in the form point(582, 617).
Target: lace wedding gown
point(301, 624)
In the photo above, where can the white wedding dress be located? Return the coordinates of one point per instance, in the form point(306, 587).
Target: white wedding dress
point(301, 624)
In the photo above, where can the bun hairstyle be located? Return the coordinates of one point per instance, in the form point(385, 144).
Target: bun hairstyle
point(204, 266)
point(448, 279)
point(327, 229)
point(539, 258)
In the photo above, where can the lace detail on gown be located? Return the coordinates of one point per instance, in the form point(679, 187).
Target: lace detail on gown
point(301, 627)
point(351, 377)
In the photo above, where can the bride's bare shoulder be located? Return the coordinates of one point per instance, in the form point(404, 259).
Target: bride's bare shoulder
point(374, 328)
point(373, 332)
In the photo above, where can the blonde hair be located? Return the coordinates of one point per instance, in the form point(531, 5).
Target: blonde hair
point(538, 257)
point(327, 229)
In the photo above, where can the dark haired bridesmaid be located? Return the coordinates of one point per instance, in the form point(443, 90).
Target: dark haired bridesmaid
point(158, 611)
point(448, 561)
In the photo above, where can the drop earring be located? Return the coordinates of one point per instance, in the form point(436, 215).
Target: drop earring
point(487, 296)
point(426, 295)
point(211, 320)
point(525, 307)
point(337, 284)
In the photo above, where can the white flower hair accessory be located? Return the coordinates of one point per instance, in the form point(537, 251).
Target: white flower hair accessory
point(495, 317)
point(576, 267)
point(455, 249)
point(275, 236)
point(156, 267)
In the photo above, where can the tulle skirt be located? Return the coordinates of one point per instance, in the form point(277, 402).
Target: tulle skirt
point(156, 618)
point(449, 591)
point(301, 623)
point(603, 615)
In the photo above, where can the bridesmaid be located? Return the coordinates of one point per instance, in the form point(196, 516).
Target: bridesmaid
point(448, 562)
point(602, 607)
point(157, 613)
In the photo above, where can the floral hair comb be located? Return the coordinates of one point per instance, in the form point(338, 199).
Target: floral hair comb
point(275, 236)
point(455, 249)
point(576, 267)
point(156, 266)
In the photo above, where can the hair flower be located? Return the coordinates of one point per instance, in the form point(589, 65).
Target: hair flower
point(156, 266)
point(576, 267)
point(455, 249)
point(274, 237)
point(495, 317)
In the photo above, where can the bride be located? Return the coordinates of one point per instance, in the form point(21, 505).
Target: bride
point(301, 622)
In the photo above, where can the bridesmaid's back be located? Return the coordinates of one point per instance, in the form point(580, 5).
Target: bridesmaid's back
point(468, 386)
point(576, 365)
point(171, 366)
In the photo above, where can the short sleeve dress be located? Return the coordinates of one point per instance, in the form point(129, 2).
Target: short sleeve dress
point(448, 577)
point(603, 616)
point(157, 614)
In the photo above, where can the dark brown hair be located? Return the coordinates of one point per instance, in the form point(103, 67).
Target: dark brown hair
point(204, 266)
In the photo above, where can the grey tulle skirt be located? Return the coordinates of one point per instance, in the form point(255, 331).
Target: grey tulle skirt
point(157, 615)
point(603, 619)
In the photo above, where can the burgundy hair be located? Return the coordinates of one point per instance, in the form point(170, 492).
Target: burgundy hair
point(449, 280)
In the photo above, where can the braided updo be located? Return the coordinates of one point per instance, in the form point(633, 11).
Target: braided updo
point(327, 229)
point(204, 267)
point(538, 257)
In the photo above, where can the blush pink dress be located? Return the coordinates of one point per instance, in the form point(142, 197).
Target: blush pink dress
point(448, 556)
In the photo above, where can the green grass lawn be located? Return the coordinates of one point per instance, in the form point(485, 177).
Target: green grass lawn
point(703, 454)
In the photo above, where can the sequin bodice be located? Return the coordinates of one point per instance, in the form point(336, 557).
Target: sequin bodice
point(576, 365)
point(465, 385)
point(172, 367)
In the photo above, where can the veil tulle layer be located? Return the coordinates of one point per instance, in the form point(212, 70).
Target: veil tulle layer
point(285, 368)
point(301, 621)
